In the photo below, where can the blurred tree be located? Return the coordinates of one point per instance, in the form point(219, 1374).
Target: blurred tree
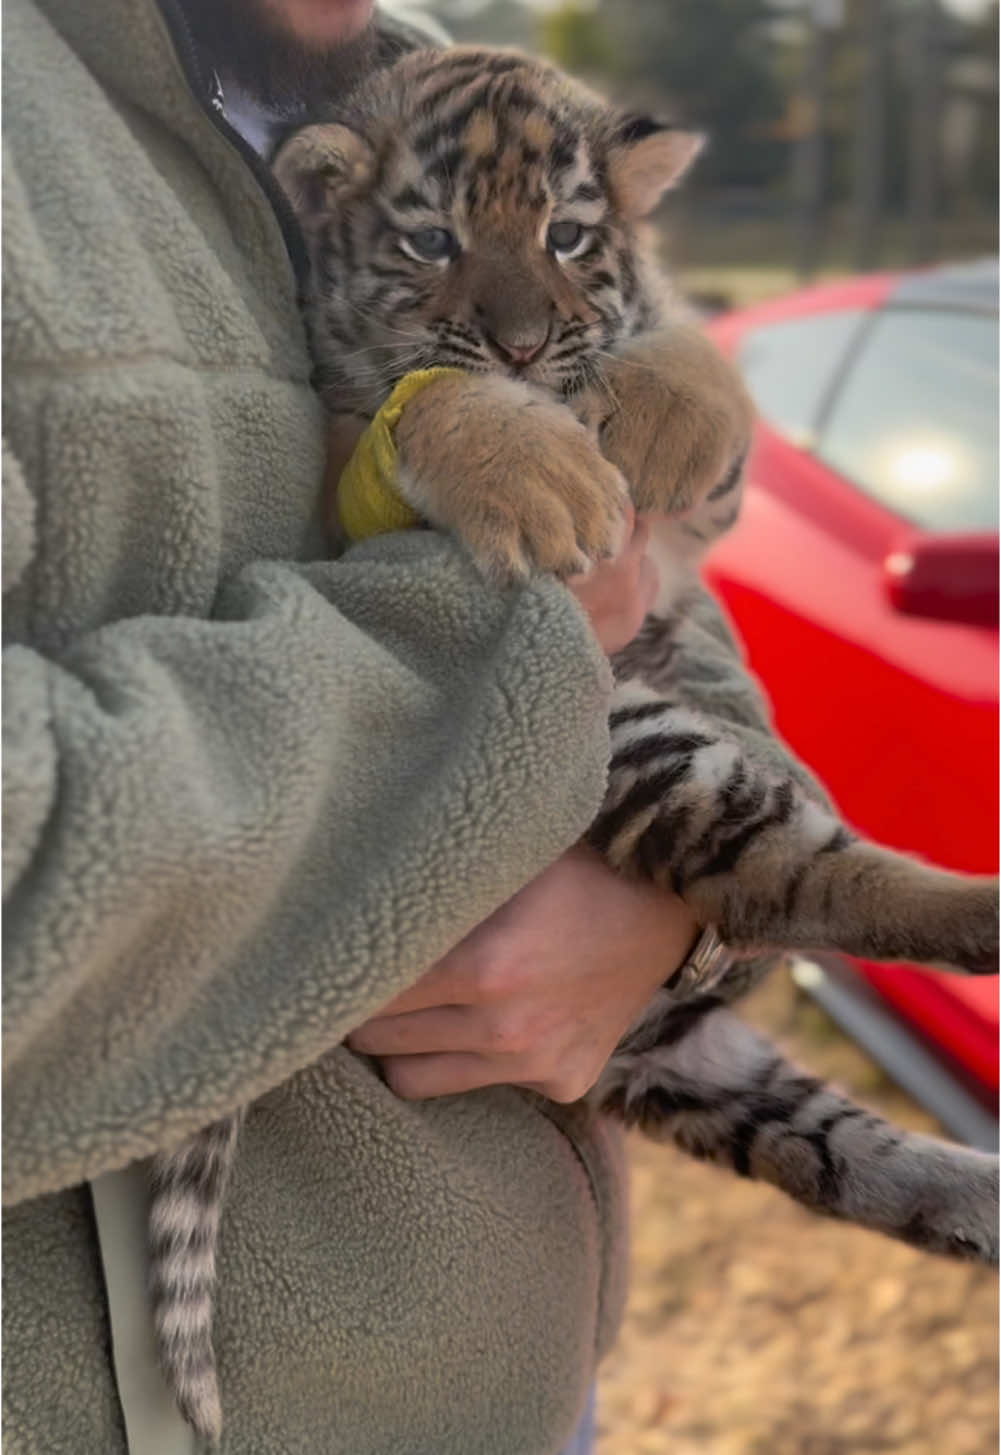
point(984, 159)
point(973, 90)
point(577, 37)
point(870, 134)
point(712, 63)
point(812, 157)
point(906, 130)
point(924, 162)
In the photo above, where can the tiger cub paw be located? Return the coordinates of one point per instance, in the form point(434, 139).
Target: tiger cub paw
point(957, 1210)
point(513, 475)
point(679, 425)
point(977, 950)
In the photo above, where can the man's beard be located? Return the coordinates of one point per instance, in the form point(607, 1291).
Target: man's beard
point(248, 45)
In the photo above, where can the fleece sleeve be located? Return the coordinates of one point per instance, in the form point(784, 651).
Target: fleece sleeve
point(230, 840)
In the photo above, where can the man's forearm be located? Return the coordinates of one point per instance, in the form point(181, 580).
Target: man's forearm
point(253, 831)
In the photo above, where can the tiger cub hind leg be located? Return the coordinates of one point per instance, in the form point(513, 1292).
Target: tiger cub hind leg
point(724, 1094)
point(765, 861)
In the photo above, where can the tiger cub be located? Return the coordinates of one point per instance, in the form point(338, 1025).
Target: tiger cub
point(476, 209)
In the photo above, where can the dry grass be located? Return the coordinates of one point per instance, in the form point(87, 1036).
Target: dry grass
point(756, 1329)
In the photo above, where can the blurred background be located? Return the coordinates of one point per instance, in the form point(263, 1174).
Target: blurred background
point(840, 239)
point(845, 134)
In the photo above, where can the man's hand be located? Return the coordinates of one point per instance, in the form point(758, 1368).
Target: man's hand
point(540, 993)
point(617, 594)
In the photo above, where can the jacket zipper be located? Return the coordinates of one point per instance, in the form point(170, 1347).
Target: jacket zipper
point(209, 97)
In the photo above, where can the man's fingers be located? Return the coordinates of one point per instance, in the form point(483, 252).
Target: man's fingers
point(445, 1028)
point(446, 983)
point(629, 523)
point(635, 538)
point(417, 1077)
point(640, 539)
point(648, 585)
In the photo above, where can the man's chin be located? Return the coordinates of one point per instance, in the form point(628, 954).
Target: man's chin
point(290, 55)
point(322, 22)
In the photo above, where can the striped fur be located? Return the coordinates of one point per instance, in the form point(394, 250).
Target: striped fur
point(187, 1190)
point(494, 149)
point(764, 860)
point(697, 1077)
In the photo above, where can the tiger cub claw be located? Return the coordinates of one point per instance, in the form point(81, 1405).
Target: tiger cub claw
point(522, 483)
point(562, 517)
point(965, 1226)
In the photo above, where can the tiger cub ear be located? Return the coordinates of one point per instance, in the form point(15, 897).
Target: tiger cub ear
point(646, 158)
point(322, 166)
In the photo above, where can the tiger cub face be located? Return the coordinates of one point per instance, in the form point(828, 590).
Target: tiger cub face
point(477, 209)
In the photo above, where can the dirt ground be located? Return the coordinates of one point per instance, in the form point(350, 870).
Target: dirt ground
point(756, 1329)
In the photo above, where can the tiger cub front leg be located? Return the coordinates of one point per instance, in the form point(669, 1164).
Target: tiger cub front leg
point(676, 420)
point(512, 473)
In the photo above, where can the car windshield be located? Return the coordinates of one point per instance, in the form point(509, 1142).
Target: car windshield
point(914, 420)
point(790, 366)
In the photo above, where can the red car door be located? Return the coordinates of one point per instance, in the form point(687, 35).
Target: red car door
point(897, 715)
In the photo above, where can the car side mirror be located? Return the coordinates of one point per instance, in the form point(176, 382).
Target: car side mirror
point(945, 577)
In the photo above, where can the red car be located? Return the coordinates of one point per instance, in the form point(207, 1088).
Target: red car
point(863, 580)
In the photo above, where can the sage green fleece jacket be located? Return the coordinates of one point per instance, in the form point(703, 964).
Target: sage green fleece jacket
point(249, 795)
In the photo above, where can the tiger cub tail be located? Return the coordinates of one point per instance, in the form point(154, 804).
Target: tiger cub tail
point(187, 1191)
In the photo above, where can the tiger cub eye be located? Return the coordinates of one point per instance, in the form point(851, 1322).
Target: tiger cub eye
point(430, 244)
point(565, 237)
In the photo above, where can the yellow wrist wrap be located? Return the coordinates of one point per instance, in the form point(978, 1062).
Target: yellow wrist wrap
point(368, 500)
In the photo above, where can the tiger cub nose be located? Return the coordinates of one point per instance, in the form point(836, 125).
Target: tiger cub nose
point(520, 349)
